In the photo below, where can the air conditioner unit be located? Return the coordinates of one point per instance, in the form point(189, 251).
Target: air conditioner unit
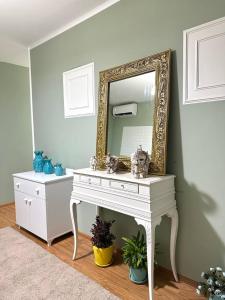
point(125, 110)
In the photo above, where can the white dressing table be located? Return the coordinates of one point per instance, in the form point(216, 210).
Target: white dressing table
point(147, 200)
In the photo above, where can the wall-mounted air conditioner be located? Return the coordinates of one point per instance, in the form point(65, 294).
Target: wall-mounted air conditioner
point(125, 110)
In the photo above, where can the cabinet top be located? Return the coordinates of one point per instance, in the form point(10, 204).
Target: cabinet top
point(44, 178)
point(124, 176)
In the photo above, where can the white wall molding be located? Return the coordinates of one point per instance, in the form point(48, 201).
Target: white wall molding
point(31, 102)
point(79, 91)
point(204, 63)
point(75, 22)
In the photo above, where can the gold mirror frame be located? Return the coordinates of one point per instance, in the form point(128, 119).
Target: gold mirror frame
point(161, 64)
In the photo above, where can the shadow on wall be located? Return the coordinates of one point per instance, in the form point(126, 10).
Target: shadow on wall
point(198, 245)
point(125, 226)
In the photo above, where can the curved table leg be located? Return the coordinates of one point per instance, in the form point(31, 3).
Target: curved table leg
point(150, 243)
point(73, 214)
point(173, 238)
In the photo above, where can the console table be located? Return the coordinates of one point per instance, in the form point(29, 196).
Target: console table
point(147, 200)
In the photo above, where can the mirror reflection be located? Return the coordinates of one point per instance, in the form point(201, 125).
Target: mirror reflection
point(130, 114)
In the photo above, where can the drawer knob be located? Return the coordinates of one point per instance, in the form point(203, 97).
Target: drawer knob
point(89, 180)
point(37, 191)
point(18, 185)
point(122, 186)
point(25, 200)
point(29, 202)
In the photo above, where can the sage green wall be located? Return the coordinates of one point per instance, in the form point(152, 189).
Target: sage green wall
point(15, 126)
point(127, 31)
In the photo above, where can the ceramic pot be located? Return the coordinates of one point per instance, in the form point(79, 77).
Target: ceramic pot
point(48, 167)
point(59, 171)
point(139, 276)
point(103, 256)
point(38, 162)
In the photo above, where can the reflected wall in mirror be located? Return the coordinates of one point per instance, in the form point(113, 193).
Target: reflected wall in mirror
point(130, 114)
point(133, 111)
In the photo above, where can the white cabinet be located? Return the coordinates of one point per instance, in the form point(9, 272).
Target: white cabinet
point(42, 203)
point(31, 214)
point(21, 209)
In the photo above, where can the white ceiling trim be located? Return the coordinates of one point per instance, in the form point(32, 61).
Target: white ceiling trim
point(75, 22)
point(13, 52)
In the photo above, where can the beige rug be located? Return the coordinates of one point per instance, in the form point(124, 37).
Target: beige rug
point(29, 272)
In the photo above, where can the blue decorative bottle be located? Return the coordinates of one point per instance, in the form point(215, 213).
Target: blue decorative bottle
point(48, 167)
point(38, 162)
point(45, 158)
point(59, 171)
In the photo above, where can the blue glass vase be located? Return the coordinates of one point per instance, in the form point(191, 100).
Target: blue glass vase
point(59, 171)
point(38, 162)
point(45, 158)
point(48, 167)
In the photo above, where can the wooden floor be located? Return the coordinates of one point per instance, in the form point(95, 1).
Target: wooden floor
point(113, 278)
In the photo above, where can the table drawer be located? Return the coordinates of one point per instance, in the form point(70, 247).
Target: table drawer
point(124, 186)
point(29, 187)
point(90, 180)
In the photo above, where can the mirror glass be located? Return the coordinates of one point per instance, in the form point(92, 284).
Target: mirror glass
point(130, 114)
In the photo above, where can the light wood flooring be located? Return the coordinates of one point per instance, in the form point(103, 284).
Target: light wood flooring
point(113, 278)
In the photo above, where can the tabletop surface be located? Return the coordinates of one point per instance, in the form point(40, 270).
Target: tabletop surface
point(42, 177)
point(123, 176)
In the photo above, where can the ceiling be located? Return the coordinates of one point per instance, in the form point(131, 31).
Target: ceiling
point(26, 23)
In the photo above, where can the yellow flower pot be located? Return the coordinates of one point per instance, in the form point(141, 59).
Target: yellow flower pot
point(103, 256)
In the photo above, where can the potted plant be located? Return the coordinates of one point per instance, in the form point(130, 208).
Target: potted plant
point(214, 285)
point(135, 255)
point(102, 241)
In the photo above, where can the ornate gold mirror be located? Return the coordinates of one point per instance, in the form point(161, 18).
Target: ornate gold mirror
point(133, 111)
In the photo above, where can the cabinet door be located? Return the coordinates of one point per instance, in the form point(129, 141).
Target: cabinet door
point(37, 217)
point(22, 210)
